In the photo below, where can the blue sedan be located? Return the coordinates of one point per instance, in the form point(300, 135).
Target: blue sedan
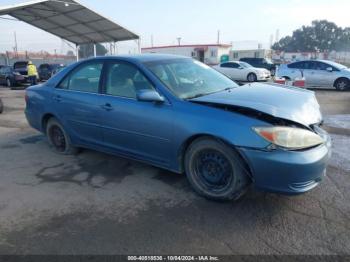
point(179, 114)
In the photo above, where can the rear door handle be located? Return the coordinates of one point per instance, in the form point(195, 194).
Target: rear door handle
point(57, 98)
point(107, 107)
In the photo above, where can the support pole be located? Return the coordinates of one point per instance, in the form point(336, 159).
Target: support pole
point(95, 51)
point(139, 45)
point(77, 51)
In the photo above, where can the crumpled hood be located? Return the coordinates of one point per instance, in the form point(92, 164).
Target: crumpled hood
point(289, 103)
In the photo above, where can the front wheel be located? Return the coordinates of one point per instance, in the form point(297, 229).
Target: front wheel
point(59, 139)
point(342, 84)
point(252, 77)
point(215, 170)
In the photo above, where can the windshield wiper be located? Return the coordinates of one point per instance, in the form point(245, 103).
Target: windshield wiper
point(198, 95)
point(205, 94)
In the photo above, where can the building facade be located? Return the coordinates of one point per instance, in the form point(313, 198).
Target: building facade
point(209, 54)
point(252, 53)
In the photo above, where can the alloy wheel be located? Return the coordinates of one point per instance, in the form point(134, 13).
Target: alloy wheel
point(342, 85)
point(251, 77)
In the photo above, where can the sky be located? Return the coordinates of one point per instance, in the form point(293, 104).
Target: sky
point(245, 23)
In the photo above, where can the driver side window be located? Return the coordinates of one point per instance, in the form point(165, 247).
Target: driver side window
point(125, 80)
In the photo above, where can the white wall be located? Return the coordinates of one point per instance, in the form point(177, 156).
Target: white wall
point(254, 53)
point(218, 51)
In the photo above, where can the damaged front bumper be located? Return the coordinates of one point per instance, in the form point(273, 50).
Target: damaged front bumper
point(288, 172)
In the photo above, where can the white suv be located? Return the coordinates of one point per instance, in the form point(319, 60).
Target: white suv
point(318, 73)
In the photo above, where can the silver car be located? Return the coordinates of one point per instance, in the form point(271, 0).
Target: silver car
point(318, 73)
point(242, 71)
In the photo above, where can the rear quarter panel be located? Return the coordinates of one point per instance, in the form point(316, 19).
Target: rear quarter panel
point(39, 103)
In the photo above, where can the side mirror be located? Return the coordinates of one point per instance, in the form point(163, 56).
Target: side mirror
point(146, 95)
point(240, 67)
point(329, 69)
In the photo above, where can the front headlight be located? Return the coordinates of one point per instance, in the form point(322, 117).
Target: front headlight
point(289, 137)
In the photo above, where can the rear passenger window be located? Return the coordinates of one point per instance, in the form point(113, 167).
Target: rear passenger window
point(297, 65)
point(85, 79)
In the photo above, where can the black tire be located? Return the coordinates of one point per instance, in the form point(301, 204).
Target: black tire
point(58, 138)
point(252, 77)
point(9, 82)
point(1, 106)
point(342, 84)
point(215, 170)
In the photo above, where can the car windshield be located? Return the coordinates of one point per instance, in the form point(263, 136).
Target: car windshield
point(188, 78)
point(245, 65)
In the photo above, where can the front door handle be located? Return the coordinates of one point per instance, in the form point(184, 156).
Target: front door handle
point(107, 107)
point(57, 98)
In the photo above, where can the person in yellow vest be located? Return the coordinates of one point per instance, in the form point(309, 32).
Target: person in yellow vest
point(32, 73)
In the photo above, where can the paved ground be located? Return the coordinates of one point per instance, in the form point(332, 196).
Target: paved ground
point(99, 204)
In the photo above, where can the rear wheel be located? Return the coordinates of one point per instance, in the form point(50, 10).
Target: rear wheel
point(59, 139)
point(252, 77)
point(342, 84)
point(215, 170)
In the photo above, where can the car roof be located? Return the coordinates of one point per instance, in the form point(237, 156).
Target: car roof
point(312, 60)
point(141, 58)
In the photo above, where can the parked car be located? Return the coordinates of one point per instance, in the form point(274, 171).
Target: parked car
point(179, 114)
point(21, 67)
point(319, 73)
point(58, 69)
point(9, 77)
point(46, 71)
point(241, 71)
point(260, 63)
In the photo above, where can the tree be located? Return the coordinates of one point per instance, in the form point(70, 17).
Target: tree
point(87, 50)
point(322, 36)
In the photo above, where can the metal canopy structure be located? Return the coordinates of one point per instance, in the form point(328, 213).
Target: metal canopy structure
point(69, 20)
